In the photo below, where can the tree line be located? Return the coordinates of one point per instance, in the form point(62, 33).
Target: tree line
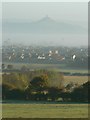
point(42, 85)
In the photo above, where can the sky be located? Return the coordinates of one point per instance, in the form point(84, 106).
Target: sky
point(34, 11)
point(45, 1)
point(22, 12)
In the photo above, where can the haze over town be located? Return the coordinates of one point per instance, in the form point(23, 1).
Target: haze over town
point(52, 24)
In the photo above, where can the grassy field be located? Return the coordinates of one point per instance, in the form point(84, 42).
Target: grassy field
point(45, 110)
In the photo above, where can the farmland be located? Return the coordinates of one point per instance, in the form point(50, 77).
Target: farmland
point(44, 65)
point(45, 111)
point(58, 68)
point(55, 67)
point(73, 72)
point(75, 79)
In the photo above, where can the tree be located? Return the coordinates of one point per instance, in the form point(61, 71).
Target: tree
point(56, 79)
point(37, 87)
point(17, 94)
point(53, 93)
point(39, 83)
point(71, 86)
point(6, 88)
point(3, 66)
point(80, 94)
point(10, 67)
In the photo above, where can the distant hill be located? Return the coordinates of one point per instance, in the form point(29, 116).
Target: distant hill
point(44, 25)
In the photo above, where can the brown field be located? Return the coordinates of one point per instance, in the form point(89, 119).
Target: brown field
point(75, 79)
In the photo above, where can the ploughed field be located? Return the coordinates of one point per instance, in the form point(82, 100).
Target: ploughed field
point(44, 110)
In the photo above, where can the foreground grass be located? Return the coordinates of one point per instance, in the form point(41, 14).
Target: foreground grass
point(45, 110)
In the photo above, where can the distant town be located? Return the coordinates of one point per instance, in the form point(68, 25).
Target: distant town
point(70, 56)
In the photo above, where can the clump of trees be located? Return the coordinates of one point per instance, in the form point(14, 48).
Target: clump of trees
point(42, 86)
point(81, 93)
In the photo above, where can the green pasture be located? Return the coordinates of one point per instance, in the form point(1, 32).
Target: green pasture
point(45, 110)
point(55, 67)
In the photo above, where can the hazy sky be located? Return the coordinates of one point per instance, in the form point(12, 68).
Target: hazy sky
point(75, 13)
point(58, 11)
point(45, 1)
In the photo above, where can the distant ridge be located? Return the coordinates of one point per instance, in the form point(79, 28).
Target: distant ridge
point(45, 25)
point(46, 19)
